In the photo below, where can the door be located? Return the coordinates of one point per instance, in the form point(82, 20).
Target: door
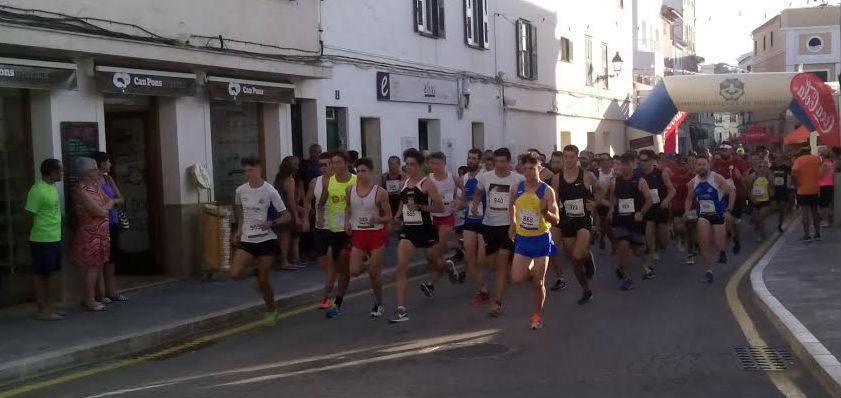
point(336, 128)
point(371, 142)
point(478, 135)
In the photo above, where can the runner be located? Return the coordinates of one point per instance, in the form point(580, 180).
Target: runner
point(606, 174)
point(658, 218)
point(575, 188)
point(392, 181)
point(418, 198)
point(321, 236)
point(254, 237)
point(368, 216)
point(630, 199)
point(498, 185)
point(734, 169)
point(684, 225)
point(474, 243)
point(807, 172)
point(827, 187)
point(447, 186)
point(782, 192)
point(556, 163)
point(715, 198)
point(533, 209)
point(761, 192)
point(335, 189)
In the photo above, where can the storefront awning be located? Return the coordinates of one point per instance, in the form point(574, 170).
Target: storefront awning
point(119, 80)
point(230, 89)
point(34, 74)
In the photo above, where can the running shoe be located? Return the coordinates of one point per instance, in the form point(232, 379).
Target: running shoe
point(707, 277)
point(590, 266)
point(806, 238)
point(655, 257)
point(560, 284)
point(481, 298)
point(681, 245)
point(825, 224)
point(270, 319)
point(452, 271)
point(586, 297)
point(536, 322)
point(627, 284)
point(377, 311)
point(817, 238)
point(619, 274)
point(496, 310)
point(400, 315)
point(690, 259)
point(722, 258)
point(427, 288)
point(333, 311)
point(325, 303)
point(737, 247)
point(649, 274)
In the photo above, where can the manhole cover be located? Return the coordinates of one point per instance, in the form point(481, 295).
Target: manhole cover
point(475, 351)
point(763, 358)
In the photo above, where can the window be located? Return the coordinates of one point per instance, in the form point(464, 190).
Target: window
point(772, 39)
point(566, 138)
point(526, 50)
point(566, 49)
point(605, 70)
point(814, 44)
point(591, 141)
point(754, 47)
point(429, 17)
point(821, 74)
point(476, 23)
point(763, 43)
point(588, 59)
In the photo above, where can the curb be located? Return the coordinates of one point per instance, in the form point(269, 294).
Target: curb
point(825, 367)
point(145, 340)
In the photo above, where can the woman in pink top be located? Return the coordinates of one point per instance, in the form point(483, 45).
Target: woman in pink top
point(827, 184)
point(92, 243)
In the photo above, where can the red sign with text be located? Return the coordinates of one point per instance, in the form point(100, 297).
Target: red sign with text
point(815, 98)
point(670, 133)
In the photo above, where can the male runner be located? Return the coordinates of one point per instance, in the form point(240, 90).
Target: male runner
point(734, 169)
point(392, 181)
point(474, 243)
point(575, 187)
point(497, 185)
point(630, 199)
point(556, 163)
point(807, 173)
point(334, 197)
point(533, 209)
point(368, 217)
point(254, 237)
point(605, 176)
point(658, 218)
point(761, 192)
point(715, 198)
point(321, 236)
point(782, 193)
point(681, 175)
point(418, 199)
point(447, 186)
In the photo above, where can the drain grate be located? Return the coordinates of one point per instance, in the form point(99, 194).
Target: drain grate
point(753, 358)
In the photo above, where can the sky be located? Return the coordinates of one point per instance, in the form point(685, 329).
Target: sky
point(723, 26)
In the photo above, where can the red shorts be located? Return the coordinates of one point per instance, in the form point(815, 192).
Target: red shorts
point(369, 240)
point(439, 222)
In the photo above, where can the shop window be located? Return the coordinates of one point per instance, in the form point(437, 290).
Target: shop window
point(15, 178)
point(235, 131)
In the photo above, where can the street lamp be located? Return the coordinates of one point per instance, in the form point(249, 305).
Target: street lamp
point(617, 68)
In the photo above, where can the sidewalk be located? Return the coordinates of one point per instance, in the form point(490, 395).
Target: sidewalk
point(153, 317)
point(798, 283)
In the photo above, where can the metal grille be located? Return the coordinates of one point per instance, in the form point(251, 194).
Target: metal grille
point(752, 358)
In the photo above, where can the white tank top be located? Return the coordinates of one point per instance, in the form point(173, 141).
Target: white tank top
point(362, 210)
point(317, 190)
point(447, 190)
point(604, 179)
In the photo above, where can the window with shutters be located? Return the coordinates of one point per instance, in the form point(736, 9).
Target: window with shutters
point(526, 50)
point(476, 24)
point(429, 17)
point(566, 49)
point(588, 60)
point(605, 69)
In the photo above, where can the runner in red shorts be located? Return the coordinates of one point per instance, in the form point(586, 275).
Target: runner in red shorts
point(368, 215)
point(448, 185)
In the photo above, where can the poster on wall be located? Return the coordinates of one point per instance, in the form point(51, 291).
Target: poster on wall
point(78, 139)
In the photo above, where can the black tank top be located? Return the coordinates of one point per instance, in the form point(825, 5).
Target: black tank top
point(418, 197)
point(627, 190)
point(573, 194)
point(655, 181)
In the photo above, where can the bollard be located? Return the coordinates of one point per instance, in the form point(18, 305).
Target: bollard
point(836, 201)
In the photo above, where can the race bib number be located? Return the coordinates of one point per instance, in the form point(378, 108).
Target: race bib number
point(707, 206)
point(448, 206)
point(655, 195)
point(758, 191)
point(364, 222)
point(779, 181)
point(626, 206)
point(574, 208)
point(411, 217)
point(392, 186)
point(499, 200)
point(529, 220)
point(692, 214)
point(252, 224)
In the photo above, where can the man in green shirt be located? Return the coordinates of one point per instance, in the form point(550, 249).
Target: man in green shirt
point(43, 219)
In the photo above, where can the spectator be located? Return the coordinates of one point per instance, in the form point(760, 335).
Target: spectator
point(807, 172)
point(827, 186)
point(836, 150)
point(353, 156)
point(310, 169)
point(286, 183)
point(92, 244)
point(43, 221)
point(106, 292)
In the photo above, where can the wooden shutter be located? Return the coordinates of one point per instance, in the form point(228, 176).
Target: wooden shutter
point(533, 50)
point(518, 27)
point(440, 31)
point(469, 34)
point(485, 34)
point(420, 7)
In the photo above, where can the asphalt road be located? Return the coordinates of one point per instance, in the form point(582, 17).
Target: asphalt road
point(669, 337)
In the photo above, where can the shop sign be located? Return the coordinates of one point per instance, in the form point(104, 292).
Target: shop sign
point(37, 77)
point(402, 88)
point(143, 82)
point(225, 89)
point(643, 142)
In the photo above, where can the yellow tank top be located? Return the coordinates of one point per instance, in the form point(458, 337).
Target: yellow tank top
point(337, 202)
point(530, 221)
point(760, 190)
